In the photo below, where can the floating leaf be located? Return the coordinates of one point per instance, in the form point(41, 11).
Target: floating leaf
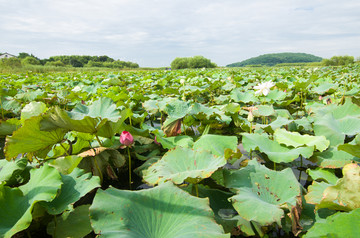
point(296, 140)
point(216, 144)
point(333, 158)
point(74, 223)
point(75, 186)
point(182, 163)
point(30, 139)
point(276, 152)
point(262, 193)
point(337, 225)
point(32, 109)
point(157, 212)
point(323, 174)
point(16, 204)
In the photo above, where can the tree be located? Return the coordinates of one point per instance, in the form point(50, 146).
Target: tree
point(29, 60)
point(192, 62)
point(338, 60)
point(11, 62)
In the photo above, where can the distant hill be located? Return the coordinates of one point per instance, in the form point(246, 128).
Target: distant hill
point(278, 58)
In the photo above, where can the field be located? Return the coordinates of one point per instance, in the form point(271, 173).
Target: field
point(263, 152)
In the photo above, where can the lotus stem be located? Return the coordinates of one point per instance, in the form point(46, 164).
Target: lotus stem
point(274, 166)
point(128, 150)
point(99, 170)
point(2, 109)
point(196, 190)
point(66, 152)
point(98, 140)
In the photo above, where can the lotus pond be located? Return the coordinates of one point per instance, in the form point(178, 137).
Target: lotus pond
point(262, 152)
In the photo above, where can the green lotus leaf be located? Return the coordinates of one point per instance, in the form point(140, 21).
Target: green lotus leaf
point(216, 144)
point(10, 168)
point(75, 224)
point(177, 109)
point(158, 212)
point(66, 164)
point(32, 109)
point(9, 126)
point(336, 122)
point(182, 163)
point(315, 192)
point(333, 158)
point(75, 186)
point(325, 88)
point(16, 204)
point(296, 140)
point(238, 96)
point(173, 141)
point(276, 152)
point(102, 108)
point(101, 118)
point(323, 174)
point(219, 204)
point(276, 95)
point(345, 194)
point(263, 193)
point(264, 110)
point(351, 149)
point(338, 225)
point(30, 139)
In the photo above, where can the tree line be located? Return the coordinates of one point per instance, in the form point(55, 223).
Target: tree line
point(67, 61)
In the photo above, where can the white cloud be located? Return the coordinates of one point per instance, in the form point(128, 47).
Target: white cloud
point(153, 32)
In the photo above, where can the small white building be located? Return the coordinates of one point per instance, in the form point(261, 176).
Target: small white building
point(6, 55)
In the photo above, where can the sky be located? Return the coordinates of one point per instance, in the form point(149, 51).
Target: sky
point(154, 32)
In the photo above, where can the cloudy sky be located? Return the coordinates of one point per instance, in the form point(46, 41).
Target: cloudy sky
point(153, 32)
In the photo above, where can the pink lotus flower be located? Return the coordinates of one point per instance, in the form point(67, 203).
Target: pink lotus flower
point(126, 138)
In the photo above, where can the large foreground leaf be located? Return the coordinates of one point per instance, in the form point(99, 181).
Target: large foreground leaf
point(182, 163)
point(262, 193)
point(30, 139)
point(74, 224)
point(75, 186)
point(160, 212)
point(16, 204)
point(337, 225)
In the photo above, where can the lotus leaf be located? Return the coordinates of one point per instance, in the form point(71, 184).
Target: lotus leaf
point(16, 204)
point(75, 186)
point(337, 121)
point(32, 109)
point(30, 139)
point(9, 168)
point(333, 158)
point(216, 144)
point(337, 225)
point(9, 126)
point(345, 194)
point(74, 223)
point(276, 152)
point(158, 212)
point(262, 193)
point(296, 140)
point(182, 163)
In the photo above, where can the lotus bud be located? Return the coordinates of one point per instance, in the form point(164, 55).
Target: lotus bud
point(250, 116)
point(126, 138)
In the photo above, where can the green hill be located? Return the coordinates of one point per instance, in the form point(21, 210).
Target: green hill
point(278, 58)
